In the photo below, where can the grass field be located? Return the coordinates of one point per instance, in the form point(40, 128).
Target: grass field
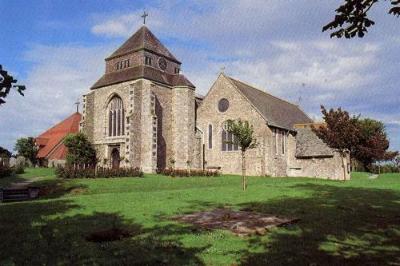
point(341, 223)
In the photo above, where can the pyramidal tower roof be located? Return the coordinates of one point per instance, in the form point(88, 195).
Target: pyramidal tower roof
point(143, 39)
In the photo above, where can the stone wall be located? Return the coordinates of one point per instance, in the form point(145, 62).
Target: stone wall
point(55, 163)
point(159, 124)
point(135, 125)
point(171, 65)
point(208, 114)
point(148, 162)
point(163, 112)
point(95, 122)
point(268, 158)
point(183, 128)
point(87, 120)
point(135, 59)
point(333, 168)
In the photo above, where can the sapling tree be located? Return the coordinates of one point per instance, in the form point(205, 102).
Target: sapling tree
point(244, 138)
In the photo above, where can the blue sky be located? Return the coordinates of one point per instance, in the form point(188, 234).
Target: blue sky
point(57, 49)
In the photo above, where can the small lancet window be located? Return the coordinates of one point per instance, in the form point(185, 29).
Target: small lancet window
point(147, 60)
point(283, 142)
point(210, 136)
point(116, 117)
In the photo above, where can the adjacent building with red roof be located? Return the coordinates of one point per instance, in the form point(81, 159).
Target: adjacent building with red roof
point(52, 151)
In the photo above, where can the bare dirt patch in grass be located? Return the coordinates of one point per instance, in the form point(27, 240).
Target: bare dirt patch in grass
point(241, 223)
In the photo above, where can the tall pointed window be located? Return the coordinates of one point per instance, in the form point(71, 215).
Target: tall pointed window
point(228, 141)
point(116, 117)
point(210, 136)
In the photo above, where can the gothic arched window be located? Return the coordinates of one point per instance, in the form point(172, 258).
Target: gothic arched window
point(116, 117)
point(228, 140)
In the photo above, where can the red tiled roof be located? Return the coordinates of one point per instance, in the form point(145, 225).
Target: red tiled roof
point(50, 142)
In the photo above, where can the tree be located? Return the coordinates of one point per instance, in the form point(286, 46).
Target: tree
point(4, 153)
point(6, 84)
point(80, 150)
point(366, 139)
point(27, 147)
point(373, 143)
point(352, 20)
point(244, 138)
point(341, 131)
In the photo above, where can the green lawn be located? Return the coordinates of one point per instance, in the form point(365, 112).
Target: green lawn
point(39, 174)
point(342, 223)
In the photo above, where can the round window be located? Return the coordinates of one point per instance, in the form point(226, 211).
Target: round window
point(162, 63)
point(223, 105)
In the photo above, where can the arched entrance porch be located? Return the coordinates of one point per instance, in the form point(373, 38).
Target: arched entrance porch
point(115, 158)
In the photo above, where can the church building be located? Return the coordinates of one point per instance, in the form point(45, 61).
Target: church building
point(144, 113)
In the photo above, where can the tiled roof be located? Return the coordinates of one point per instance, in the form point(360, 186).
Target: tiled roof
point(143, 39)
point(142, 72)
point(308, 144)
point(277, 112)
point(50, 142)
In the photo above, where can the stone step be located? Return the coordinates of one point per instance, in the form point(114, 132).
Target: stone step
point(15, 191)
point(16, 197)
point(14, 194)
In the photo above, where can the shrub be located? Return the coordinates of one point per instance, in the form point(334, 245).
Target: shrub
point(80, 150)
point(19, 169)
point(6, 171)
point(187, 173)
point(70, 172)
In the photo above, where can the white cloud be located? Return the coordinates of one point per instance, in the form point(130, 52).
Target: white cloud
point(58, 77)
point(327, 69)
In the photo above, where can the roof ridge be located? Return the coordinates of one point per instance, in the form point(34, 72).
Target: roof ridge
point(263, 91)
point(58, 145)
point(59, 123)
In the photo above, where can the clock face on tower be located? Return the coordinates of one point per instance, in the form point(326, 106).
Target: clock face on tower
point(162, 63)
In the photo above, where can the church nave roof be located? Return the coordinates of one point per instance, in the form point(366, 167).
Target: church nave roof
point(277, 112)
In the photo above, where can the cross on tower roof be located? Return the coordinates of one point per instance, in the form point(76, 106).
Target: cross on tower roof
point(144, 17)
point(77, 105)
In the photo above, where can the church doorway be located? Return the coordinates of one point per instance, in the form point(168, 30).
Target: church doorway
point(115, 158)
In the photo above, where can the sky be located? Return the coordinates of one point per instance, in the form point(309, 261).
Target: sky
point(57, 49)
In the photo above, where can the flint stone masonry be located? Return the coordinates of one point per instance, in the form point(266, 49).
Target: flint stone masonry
point(166, 125)
point(208, 114)
point(172, 140)
point(268, 158)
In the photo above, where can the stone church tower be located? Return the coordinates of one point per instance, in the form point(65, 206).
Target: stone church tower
point(141, 112)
